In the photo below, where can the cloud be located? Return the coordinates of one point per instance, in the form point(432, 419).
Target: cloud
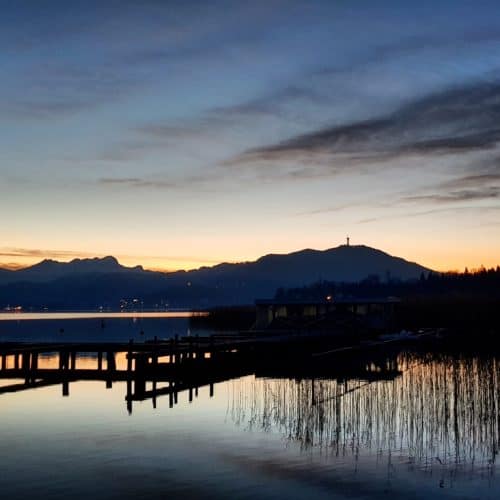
point(454, 121)
point(342, 207)
point(55, 90)
point(355, 108)
point(487, 193)
point(476, 187)
point(199, 181)
point(482, 187)
point(11, 266)
point(93, 53)
point(226, 123)
point(491, 209)
point(460, 125)
point(137, 182)
point(473, 181)
point(41, 253)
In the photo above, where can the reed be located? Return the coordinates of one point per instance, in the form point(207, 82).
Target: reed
point(443, 411)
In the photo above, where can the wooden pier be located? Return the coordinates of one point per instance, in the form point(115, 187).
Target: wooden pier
point(185, 364)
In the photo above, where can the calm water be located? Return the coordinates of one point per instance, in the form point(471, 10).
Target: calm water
point(95, 327)
point(31, 316)
point(430, 431)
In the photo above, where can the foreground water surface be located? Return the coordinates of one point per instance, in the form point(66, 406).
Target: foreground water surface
point(428, 427)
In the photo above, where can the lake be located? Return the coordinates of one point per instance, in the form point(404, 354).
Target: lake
point(428, 428)
point(94, 326)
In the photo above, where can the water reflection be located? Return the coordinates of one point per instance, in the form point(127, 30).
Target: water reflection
point(441, 411)
point(412, 426)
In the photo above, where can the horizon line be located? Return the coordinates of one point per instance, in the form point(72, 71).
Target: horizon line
point(76, 256)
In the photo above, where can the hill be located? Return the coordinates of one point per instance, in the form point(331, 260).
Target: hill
point(50, 270)
point(90, 283)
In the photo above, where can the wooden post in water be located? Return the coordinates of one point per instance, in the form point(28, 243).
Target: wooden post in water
point(154, 360)
point(129, 355)
point(171, 352)
point(63, 360)
point(129, 395)
point(211, 348)
point(154, 394)
point(34, 362)
point(26, 361)
point(140, 386)
point(211, 390)
point(26, 364)
point(139, 363)
point(110, 361)
point(177, 359)
point(66, 360)
point(197, 347)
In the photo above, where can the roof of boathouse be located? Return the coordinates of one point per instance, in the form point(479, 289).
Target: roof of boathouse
point(327, 300)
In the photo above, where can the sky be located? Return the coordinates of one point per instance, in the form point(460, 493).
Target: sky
point(179, 134)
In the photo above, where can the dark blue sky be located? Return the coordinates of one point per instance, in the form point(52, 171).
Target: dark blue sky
point(179, 133)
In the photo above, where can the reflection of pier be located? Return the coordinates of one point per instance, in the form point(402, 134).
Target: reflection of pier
point(186, 364)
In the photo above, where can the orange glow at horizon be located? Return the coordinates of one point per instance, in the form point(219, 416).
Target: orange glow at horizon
point(149, 263)
point(433, 258)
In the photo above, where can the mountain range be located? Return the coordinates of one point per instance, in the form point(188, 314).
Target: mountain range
point(91, 283)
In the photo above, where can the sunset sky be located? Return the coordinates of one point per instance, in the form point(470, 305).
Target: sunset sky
point(178, 134)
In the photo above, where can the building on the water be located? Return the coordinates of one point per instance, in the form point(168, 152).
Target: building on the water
point(377, 314)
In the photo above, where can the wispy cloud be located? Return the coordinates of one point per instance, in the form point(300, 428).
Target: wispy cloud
point(473, 181)
point(490, 209)
point(42, 253)
point(476, 187)
point(448, 122)
point(458, 196)
point(199, 182)
point(137, 182)
point(11, 266)
point(54, 90)
point(446, 125)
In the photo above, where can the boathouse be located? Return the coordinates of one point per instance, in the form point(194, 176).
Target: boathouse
point(375, 313)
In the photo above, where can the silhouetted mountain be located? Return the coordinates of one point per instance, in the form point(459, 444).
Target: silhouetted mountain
point(89, 283)
point(343, 263)
point(5, 275)
point(49, 270)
